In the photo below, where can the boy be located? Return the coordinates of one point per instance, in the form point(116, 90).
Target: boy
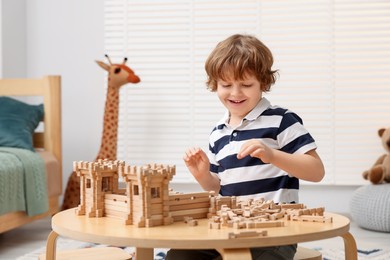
point(257, 150)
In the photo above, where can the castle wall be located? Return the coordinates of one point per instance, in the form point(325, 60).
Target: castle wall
point(195, 205)
point(116, 206)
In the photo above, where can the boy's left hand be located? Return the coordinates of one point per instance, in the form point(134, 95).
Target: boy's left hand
point(256, 148)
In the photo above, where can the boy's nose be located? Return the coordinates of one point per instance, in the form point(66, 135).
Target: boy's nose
point(236, 90)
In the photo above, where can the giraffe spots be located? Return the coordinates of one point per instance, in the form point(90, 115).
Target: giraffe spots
point(72, 192)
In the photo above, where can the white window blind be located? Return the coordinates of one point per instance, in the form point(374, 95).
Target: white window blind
point(333, 59)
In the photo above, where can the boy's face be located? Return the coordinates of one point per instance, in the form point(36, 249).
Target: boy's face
point(239, 96)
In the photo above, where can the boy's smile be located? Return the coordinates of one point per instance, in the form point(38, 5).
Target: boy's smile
point(237, 101)
point(239, 96)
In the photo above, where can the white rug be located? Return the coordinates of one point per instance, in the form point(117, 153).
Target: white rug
point(363, 254)
point(327, 253)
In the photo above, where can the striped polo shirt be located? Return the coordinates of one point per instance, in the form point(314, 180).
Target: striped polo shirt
point(278, 128)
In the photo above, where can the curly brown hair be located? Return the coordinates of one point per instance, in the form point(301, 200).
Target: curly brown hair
point(241, 55)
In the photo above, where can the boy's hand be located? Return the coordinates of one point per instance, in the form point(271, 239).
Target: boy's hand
point(197, 162)
point(256, 148)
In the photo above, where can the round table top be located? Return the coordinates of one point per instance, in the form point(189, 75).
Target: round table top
point(178, 235)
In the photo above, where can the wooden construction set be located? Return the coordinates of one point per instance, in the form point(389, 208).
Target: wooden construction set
point(147, 201)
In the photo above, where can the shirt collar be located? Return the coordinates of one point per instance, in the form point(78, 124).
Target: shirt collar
point(263, 105)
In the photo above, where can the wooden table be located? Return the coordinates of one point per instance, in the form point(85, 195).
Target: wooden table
point(182, 236)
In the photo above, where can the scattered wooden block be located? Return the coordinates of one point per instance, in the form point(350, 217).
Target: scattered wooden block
point(243, 234)
point(309, 218)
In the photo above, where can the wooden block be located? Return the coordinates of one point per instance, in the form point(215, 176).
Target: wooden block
point(231, 214)
point(250, 224)
point(188, 201)
point(116, 214)
point(266, 224)
point(239, 225)
point(189, 212)
point(214, 225)
point(244, 234)
point(320, 211)
point(155, 211)
point(120, 207)
point(193, 222)
point(116, 197)
point(276, 216)
point(154, 222)
point(238, 211)
point(271, 211)
point(168, 221)
point(308, 218)
point(190, 196)
point(190, 206)
point(216, 219)
point(187, 219)
point(292, 206)
point(247, 213)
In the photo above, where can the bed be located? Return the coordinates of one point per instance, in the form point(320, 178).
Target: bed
point(45, 142)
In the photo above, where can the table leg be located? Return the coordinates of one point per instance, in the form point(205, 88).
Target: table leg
point(234, 254)
point(350, 246)
point(51, 246)
point(144, 253)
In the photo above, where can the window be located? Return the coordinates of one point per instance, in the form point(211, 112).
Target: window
point(155, 192)
point(136, 190)
point(333, 58)
point(106, 184)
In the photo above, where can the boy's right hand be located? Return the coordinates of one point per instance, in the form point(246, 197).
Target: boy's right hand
point(199, 165)
point(197, 162)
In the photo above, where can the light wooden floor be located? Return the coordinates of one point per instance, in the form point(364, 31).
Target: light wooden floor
point(18, 242)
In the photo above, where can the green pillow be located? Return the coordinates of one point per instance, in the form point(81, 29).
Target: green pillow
point(18, 121)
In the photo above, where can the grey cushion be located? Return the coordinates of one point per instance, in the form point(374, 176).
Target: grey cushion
point(370, 207)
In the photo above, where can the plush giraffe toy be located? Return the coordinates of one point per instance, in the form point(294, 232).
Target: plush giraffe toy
point(118, 75)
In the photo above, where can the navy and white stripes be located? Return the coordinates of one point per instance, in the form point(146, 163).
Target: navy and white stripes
point(249, 177)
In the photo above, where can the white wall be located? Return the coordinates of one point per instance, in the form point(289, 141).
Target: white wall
point(64, 38)
point(12, 38)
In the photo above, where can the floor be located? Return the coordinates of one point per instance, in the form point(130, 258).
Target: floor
point(18, 242)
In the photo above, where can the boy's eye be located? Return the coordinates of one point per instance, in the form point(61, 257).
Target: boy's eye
point(247, 85)
point(225, 85)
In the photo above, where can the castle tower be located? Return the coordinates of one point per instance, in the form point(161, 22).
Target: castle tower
point(147, 189)
point(96, 179)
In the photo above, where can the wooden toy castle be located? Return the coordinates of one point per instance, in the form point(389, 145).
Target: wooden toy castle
point(147, 201)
